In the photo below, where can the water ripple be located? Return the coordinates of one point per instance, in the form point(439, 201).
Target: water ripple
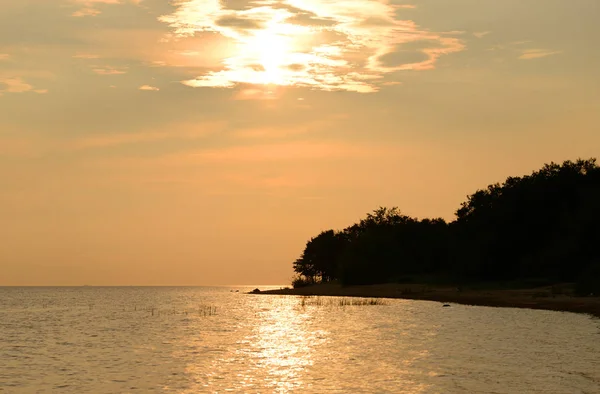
point(163, 340)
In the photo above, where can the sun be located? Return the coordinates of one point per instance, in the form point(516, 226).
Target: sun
point(270, 50)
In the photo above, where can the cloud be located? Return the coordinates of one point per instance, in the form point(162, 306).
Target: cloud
point(17, 85)
point(516, 48)
point(256, 94)
point(93, 2)
point(15, 143)
point(235, 22)
point(267, 153)
point(481, 34)
point(4, 56)
point(530, 54)
point(419, 53)
point(288, 151)
point(85, 56)
point(181, 131)
point(89, 7)
point(400, 57)
point(340, 45)
point(274, 133)
point(148, 87)
point(86, 11)
point(304, 18)
point(108, 70)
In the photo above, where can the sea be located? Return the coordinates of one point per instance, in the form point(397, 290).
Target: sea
point(220, 339)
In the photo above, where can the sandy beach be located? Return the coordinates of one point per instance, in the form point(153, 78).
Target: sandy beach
point(536, 298)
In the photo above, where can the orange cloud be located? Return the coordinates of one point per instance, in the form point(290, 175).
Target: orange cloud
point(186, 131)
point(272, 133)
point(17, 85)
point(481, 34)
point(89, 7)
point(109, 70)
point(529, 54)
point(85, 56)
point(86, 11)
point(321, 45)
point(148, 87)
point(303, 150)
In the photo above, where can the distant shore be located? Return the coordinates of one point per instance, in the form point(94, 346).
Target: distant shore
point(537, 298)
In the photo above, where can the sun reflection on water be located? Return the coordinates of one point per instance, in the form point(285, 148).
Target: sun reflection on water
point(288, 344)
point(273, 350)
point(282, 346)
point(351, 45)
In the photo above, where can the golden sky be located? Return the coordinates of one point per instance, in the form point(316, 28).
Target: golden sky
point(199, 142)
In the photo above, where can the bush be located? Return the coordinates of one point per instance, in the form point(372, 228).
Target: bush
point(300, 281)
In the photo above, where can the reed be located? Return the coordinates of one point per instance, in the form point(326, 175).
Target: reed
point(207, 310)
point(200, 310)
point(340, 301)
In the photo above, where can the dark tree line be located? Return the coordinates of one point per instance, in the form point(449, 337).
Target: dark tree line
point(544, 226)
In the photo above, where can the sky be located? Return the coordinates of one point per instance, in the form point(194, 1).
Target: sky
point(198, 142)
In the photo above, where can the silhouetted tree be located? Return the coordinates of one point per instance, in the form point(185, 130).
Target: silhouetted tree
point(319, 259)
point(540, 226)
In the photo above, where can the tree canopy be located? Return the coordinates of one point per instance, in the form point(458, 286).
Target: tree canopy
point(543, 225)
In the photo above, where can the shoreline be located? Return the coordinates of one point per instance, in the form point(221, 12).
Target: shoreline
point(535, 298)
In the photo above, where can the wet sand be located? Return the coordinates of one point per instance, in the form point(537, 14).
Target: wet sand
point(537, 298)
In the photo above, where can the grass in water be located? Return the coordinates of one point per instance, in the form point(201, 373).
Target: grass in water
point(201, 310)
point(340, 301)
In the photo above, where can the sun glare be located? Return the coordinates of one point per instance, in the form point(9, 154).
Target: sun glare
point(317, 44)
point(271, 51)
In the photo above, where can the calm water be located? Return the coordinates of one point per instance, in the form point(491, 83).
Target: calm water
point(171, 340)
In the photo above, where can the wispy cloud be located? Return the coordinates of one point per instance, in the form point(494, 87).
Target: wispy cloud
point(17, 85)
point(177, 131)
point(520, 50)
point(85, 56)
point(321, 45)
point(530, 54)
point(108, 70)
point(86, 11)
point(278, 152)
point(257, 93)
point(481, 34)
point(260, 154)
point(15, 143)
point(90, 7)
point(274, 133)
point(148, 87)
point(4, 56)
point(267, 153)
